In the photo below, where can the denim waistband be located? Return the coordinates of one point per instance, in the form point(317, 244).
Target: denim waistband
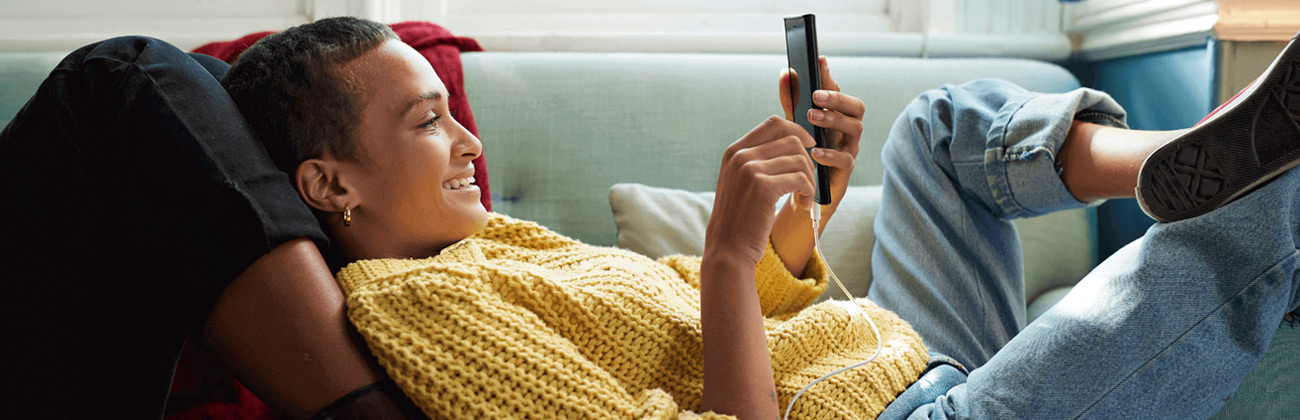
point(940, 375)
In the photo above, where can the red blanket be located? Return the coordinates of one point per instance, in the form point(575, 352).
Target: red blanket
point(200, 388)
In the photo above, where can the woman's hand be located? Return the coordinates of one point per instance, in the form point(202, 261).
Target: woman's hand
point(841, 116)
point(757, 170)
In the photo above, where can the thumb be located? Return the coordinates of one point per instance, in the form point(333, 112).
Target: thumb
point(801, 201)
point(786, 78)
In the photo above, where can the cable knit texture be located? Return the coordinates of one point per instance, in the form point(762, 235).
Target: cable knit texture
point(518, 321)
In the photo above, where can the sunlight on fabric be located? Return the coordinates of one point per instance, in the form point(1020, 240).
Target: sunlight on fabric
point(1101, 285)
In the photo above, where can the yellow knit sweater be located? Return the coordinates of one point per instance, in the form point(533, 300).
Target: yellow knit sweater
point(520, 322)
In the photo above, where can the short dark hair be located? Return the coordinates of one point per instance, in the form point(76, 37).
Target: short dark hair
point(287, 88)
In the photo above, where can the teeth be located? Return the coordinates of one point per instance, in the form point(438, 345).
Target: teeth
point(458, 183)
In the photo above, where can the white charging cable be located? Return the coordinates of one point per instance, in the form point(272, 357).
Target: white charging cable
point(816, 221)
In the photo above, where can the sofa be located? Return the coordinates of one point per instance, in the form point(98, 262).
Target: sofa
point(622, 149)
point(664, 120)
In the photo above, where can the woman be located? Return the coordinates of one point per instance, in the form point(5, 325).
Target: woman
point(400, 187)
point(497, 316)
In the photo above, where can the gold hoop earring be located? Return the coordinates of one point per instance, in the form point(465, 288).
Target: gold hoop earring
point(347, 216)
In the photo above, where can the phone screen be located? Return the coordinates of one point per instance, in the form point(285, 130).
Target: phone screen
point(801, 53)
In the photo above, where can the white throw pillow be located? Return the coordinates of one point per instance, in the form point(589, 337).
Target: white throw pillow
point(662, 221)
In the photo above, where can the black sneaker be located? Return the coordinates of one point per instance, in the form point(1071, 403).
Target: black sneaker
point(1247, 141)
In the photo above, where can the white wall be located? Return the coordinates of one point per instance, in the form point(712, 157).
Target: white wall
point(1018, 28)
point(1114, 28)
point(62, 25)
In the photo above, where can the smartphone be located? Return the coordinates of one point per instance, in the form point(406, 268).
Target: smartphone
point(801, 53)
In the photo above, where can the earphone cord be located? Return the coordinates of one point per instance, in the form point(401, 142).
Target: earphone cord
point(816, 221)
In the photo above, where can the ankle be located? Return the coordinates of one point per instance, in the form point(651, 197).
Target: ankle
point(1100, 162)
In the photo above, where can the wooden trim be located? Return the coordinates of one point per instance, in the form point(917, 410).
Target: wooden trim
point(1255, 20)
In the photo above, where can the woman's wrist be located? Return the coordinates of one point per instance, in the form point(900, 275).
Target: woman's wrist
point(725, 263)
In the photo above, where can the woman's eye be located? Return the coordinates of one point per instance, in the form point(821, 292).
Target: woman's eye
point(432, 121)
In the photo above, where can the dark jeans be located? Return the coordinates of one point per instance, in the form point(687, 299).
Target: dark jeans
point(133, 194)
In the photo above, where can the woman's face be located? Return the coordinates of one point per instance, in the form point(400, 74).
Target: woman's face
point(413, 179)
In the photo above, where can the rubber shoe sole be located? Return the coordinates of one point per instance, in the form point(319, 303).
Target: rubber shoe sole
point(1247, 142)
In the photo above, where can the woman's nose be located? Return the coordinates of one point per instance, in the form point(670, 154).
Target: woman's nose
point(466, 143)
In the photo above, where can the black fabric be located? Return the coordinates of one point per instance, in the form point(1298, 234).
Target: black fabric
point(132, 194)
point(378, 401)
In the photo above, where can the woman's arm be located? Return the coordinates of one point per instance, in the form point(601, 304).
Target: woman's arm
point(280, 327)
point(737, 367)
point(757, 170)
point(791, 237)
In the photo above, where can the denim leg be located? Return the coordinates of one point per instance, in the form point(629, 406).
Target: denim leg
point(1168, 327)
point(960, 162)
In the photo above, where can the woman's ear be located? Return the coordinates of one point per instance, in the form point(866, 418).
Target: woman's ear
point(322, 186)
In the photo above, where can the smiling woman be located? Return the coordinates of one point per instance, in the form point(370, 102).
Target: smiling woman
point(402, 161)
point(407, 189)
point(406, 194)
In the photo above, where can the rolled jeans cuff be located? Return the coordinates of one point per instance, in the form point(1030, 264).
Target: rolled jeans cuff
point(1023, 141)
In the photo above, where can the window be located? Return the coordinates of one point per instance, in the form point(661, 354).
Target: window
point(935, 28)
point(69, 24)
point(651, 25)
point(847, 27)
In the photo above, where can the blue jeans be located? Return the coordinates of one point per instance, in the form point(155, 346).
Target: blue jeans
point(1167, 327)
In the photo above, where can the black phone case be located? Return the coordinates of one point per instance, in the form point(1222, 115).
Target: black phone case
point(813, 72)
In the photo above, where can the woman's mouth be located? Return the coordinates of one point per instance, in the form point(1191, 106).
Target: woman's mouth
point(458, 183)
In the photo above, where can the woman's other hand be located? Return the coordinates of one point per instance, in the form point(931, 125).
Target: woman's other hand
point(841, 115)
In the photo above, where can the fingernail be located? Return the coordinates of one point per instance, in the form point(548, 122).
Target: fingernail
point(821, 96)
point(819, 152)
point(815, 114)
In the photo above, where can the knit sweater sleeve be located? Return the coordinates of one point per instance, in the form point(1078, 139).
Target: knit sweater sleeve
point(780, 293)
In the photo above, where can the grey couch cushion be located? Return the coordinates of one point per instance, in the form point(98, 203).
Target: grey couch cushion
point(662, 221)
point(22, 74)
point(559, 129)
